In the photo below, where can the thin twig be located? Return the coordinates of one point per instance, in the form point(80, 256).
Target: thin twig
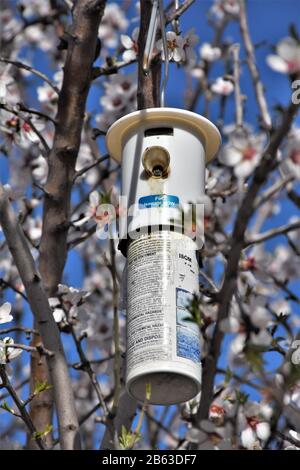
point(258, 86)
point(39, 74)
point(235, 49)
point(274, 232)
point(89, 167)
point(23, 412)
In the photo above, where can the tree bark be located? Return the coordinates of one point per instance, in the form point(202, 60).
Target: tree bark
point(81, 51)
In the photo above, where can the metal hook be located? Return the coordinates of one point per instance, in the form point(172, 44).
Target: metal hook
point(166, 53)
point(157, 7)
point(150, 37)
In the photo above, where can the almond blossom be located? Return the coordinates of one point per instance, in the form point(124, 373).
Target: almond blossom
point(222, 86)
point(175, 45)
point(35, 8)
point(254, 426)
point(27, 135)
point(8, 353)
point(5, 81)
point(113, 22)
point(242, 153)
point(118, 100)
point(67, 306)
point(39, 167)
point(190, 39)
point(131, 45)
point(291, 155)
point(222, 8)
point(5, 315)
point(46, 93)
point(24, 131)
point(287, 59)
point(209, 53)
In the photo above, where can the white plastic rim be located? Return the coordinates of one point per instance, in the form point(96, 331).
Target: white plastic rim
point(207, 131)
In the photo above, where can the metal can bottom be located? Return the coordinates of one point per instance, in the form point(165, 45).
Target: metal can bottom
point(167, 388)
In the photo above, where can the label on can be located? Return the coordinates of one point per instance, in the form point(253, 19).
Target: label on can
point(158, 200)
point(162, 278)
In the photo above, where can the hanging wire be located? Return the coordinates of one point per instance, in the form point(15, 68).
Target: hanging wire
point(175, 23)
point(157, 10)
point(150, 37)
point(166, 52)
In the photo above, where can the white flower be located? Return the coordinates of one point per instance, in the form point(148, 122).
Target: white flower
point(243, 153)
point(284, 264)
point(35, 8)
point(196, 72)
point(287, 59)
point(175, 47)
point(230, 325)
point(248, 438)
point(216, 413)
point(209, 52)
point(260, 317)
point(119, 99)
point(225, 7)
point(46, 93)
point(291, 154)
point(190, 39)
point(26, 135)
point(280, 307)
point(5, 81)
point(71, 295)
point(262, 338)
point(8, 353)
point(58, 313)
point(5, 316)
point(45, 39)
point(33, 228)
point(253, 425)
point(113, 22)
point(237, 344)
point(40, 169)
point(131, 45)
point(222, 86)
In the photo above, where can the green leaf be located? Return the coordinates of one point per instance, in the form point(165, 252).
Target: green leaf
point(242, 397)
point(40, 434)
point(6, 407)
point(228, 375)
point(128, 438)
point(254, 356)
point(148, 391)
point(41, 387)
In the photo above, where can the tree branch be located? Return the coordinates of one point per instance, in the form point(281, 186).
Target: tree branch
point(258, 86)
point(87, 15)
point(37, 298)
point(23, 412)
point(274, 232)
point(245, 212)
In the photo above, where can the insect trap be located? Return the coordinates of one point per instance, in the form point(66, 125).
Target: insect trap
point(163, 152)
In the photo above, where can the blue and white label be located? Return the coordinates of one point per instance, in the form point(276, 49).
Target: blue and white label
point(187, 331)
point(158, 200)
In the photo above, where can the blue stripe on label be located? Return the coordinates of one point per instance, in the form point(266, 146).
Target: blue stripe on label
point(158, 200)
